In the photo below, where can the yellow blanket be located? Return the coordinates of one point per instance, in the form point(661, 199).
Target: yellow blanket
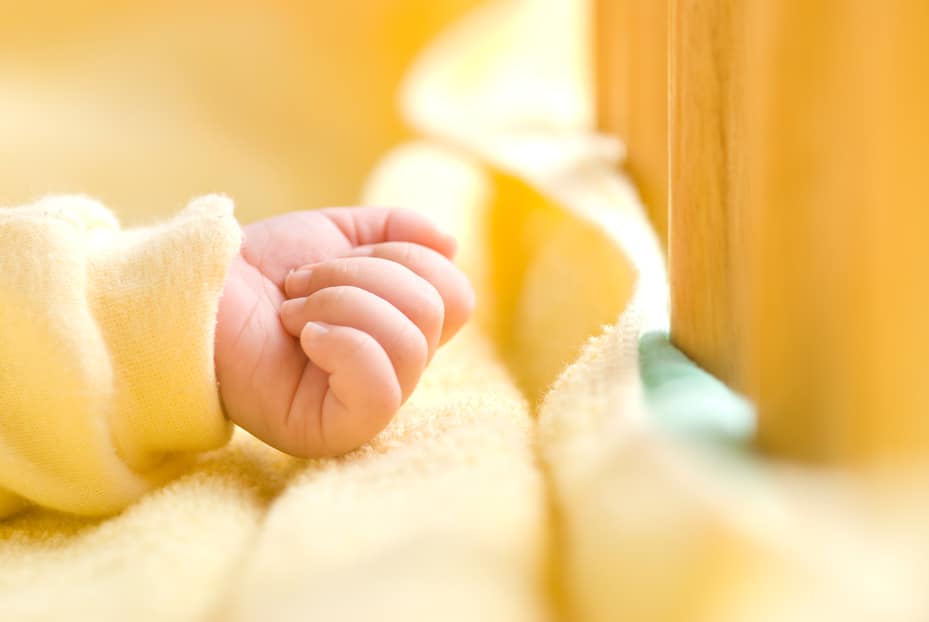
point(444, 516)
point(496, 494)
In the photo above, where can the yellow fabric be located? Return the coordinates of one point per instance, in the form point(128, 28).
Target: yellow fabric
point(644, 528)
point(465, 508)
point(280, 104)
point(443, 516)
point(106, 354)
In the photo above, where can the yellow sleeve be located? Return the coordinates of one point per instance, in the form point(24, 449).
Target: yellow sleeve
point(107, 384)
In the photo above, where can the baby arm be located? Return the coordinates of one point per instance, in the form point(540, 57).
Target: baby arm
point(109, 359)
point(107, 383)
point(327, 321)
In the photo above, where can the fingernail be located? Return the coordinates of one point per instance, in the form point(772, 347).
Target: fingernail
point(299, 280)
point(289, 306)
point(314, 329)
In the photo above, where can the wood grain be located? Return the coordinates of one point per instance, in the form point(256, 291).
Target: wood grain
point(705, 130)
point(632, 93)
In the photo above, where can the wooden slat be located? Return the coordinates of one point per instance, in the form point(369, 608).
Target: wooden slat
point(837, 283)
point(632, 93)
point(704, 155)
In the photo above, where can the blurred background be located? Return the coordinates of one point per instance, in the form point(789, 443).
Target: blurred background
point(145, 104)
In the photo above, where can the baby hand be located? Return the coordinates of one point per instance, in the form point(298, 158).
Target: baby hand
point(328, 319)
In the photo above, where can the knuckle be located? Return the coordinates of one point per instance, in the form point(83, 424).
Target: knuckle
point(386, 399)
point(467, 301)
point(410, 254)
point(461, 301)
point(431, 307)
point(330, 271)
point(351, 268)
point(431, 296)
point(357, 346)
point(380, 393)
point(423, 294)
point(332, 298)
point(410, 344)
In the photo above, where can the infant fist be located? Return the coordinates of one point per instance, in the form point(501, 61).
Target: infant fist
point(372, 295)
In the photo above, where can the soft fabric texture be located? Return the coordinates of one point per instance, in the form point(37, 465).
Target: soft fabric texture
point(442, 516)
point(107, 386)
point(653, 521)
point(497, 494)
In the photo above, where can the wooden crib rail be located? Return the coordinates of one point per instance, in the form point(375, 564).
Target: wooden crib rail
point(798, 199)
point(632, 98)
point(704, 132)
